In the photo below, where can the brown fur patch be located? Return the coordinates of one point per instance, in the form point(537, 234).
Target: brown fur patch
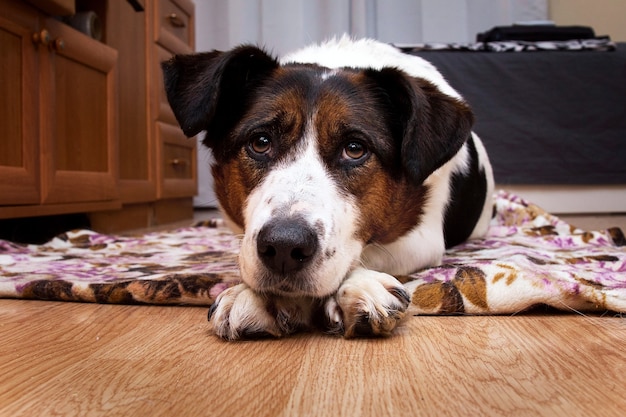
point(343, 108)
point(230, 188)
point(390, 205)
point(279, 113)
point(389, 208)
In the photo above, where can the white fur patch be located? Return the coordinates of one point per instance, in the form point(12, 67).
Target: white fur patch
point(302, 186)
point(368, 53)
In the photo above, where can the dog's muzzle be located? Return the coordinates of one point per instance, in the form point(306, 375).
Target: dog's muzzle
point(287, 245)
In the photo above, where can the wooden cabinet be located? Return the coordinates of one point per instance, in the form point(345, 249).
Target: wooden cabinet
point(19, 102)
point(157, 178)
point(173, 33)
point(57, 116)
point(85, 124)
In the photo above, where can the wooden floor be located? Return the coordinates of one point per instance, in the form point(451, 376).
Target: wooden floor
point(71, 359)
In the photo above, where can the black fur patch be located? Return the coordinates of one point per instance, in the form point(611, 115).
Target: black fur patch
point(467, 197)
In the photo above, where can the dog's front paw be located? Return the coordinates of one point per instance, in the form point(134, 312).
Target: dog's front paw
point(241, 313)
point(368, 303)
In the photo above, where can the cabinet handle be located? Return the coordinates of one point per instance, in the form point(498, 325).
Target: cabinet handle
point(176, 21)
point(42, 37)
point(176, 162)
point(58, 44)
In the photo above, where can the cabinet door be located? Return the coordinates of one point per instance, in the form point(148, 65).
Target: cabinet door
point(128, 35)
point(78, 123)
point(19, 174)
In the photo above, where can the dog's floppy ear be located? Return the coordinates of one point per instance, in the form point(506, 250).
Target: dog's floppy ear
point(212, 86)
point(431, 125)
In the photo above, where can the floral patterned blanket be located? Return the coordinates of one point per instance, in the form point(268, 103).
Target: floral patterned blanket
point(528, 258)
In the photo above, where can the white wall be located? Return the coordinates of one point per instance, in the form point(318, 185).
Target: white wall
point(204, 35)
point(283, 25)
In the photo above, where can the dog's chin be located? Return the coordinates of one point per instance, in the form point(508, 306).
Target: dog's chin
point(297, 285)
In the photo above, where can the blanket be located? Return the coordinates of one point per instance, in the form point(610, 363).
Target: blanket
point(528, 258)
point(597, 44)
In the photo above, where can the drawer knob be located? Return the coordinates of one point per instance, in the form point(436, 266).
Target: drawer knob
point(58, 44)
point(176, 21)
point(42, 37)
point(177, 162)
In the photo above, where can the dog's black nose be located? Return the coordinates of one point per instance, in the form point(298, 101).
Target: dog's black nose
point(286, 245)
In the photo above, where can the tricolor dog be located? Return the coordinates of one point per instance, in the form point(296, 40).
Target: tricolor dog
point(341, 165)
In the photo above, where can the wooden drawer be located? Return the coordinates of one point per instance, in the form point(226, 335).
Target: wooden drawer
point(174, 25)
point(176, 159)
point(176, 162)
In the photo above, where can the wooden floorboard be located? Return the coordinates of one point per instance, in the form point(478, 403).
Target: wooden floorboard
point(76, 359)
point(73, 359)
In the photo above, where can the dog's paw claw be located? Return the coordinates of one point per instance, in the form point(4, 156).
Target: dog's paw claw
point(212, 310)
point(367, 304)
point(401, 294)
point(333, 317)
point(241, 313)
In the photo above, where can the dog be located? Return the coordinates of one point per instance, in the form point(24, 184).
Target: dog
point(342, 165)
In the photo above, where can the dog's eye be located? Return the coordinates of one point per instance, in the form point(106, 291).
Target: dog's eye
point(355, 151)
point(260, 144)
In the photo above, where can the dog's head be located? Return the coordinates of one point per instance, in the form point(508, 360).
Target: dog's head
point(312, 163)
